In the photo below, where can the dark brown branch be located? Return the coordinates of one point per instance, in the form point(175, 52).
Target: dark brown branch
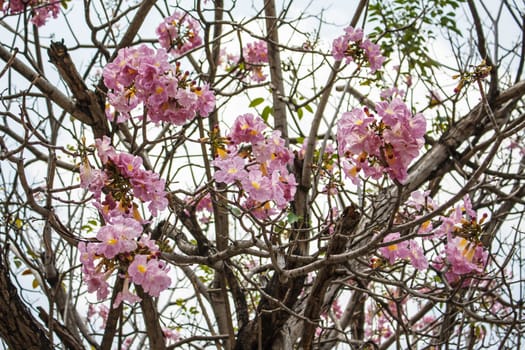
point(151, 320)
point(315, 302)
point(63, 333)
point(18, 328)
point(114, 315)
point(91, 103)
point(45, 87)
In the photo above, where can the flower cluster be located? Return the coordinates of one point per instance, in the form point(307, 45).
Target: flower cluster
point(378, 324)
point(41, 10)
point(255, 57)
point(257, 163)
point(404, 250)
point(352, 47)
point(179, 33)
point(121, 244)
point(387, 142)
point(144, 76)
point(463, 255)
point(122, 179)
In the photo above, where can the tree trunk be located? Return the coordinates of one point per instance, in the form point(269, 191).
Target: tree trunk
point(18, 328)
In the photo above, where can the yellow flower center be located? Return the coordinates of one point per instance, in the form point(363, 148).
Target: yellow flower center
point(392, 247)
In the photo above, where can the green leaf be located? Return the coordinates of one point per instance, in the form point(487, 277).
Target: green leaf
point(256, 102)
point(300, 113)
point(293, 218)
point(17, 262)
point(266, 113)
point(309, 109)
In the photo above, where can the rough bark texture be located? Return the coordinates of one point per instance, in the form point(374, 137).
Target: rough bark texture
point(316, 298)
point(151, 318)
point(87, 101)
point(18, 328)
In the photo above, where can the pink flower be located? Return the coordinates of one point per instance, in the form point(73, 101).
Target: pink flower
point(255, 57)
point(118, 237)
point(388, 144)
point(41, 10)
point(450, 223)
point(339, 49)
point(150, 244)
point(353, 34)
point(230, 169)
point(256, 52)
point(205, 100)
point(395, 251)
point(87, 255)
point(355, 133)
point(467, 205)
point(257, 186)
point(125, 295)
point(373, 55)
point(170, 334)
point(393, 112)
point(150, 274)
point(259, 210)
point(149, 187)
point(104, 149)
point(143, 76)
point(205, 203)
point(352, 47)
point(391, 92)
point(92, 179)
point(138, 268)
point(128, 164)
point(102, 312)
point(417, 256)
point(464, 256)
point(421, 200)
point(272, 152)
point(247, 128)
point(97, 282)
point(179, 33)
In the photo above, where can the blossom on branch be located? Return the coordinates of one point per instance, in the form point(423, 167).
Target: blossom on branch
point(121, 244)
point(257, 163)
point(41, 10)
point(179, 33)
point(352, 48)
point(408, 249)
point(385, 143)
point(143, 76)
point(255, 57)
